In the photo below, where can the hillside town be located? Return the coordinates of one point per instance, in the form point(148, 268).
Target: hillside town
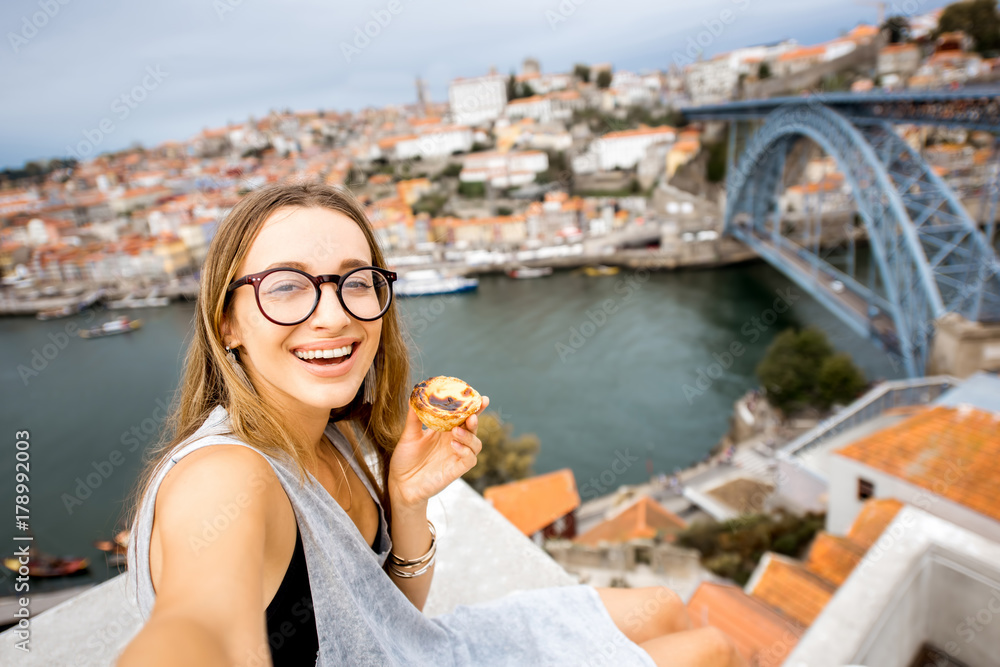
point(555, 168)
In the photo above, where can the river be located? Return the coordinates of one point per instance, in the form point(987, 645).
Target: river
point(614, 367)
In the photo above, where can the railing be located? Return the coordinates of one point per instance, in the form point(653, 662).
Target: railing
point(889, 394)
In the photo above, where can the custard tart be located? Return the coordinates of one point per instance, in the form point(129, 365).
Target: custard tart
point(443, 402)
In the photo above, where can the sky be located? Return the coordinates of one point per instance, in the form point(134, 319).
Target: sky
point(110, 73)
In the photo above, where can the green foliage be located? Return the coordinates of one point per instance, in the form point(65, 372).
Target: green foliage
point(503, 458)
point(472, 189)
point(839, 381)
point(764, 71)
point(603, 79)
point(517, 90)
point(430, 203)
point(733, 548)
point(582, 72)
point(898, 28)
point(452, 170)
point(504, 210)
point(715, 171)
point(832, 83)
point(800, 369)
point(977, 18)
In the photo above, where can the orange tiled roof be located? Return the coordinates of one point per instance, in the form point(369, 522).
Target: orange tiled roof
point(532, 504)
point(833, 558)
point(960, 445)
point(788, 586)
point(662, 129)
point(804, 52)
point(762, 635)
point(643, 519)
point(874, 517)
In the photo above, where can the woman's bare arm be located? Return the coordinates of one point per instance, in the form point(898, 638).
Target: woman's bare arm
point(410, 539)
point(212, 514)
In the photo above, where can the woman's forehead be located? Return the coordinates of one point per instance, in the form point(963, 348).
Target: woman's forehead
point(317, 237)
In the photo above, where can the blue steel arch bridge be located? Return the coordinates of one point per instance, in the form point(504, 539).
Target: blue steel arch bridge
point(928, 257)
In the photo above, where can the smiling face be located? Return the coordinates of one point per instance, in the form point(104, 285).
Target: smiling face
point(304, 365)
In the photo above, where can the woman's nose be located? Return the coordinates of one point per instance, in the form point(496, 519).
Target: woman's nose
point(329, 312)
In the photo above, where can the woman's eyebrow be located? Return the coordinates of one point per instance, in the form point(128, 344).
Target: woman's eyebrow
point(346, 264)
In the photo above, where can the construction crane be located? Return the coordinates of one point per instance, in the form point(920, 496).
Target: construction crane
point(875, 3)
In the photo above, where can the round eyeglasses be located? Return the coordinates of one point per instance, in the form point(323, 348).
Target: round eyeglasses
point(289, 296)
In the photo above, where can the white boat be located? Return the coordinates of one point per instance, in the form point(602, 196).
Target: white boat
point(529, 272)
point(430, 281)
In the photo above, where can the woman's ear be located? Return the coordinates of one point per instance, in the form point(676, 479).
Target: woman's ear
point(226, 330)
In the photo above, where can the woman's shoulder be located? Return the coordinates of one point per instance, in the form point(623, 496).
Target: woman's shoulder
point(222, 470)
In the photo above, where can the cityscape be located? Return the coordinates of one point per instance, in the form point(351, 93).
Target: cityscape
point(761, 287)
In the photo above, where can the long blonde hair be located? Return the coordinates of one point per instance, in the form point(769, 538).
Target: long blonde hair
point(209, 380)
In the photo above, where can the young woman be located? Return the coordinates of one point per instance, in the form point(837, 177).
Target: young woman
point(260, 530)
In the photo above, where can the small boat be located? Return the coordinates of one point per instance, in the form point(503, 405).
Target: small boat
point(522, 272)
point(426, 282)
point(117, 326)
point(53, 313)
point(44, 565)
point(600, 270)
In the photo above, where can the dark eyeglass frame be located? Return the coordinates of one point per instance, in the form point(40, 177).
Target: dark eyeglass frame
point(256, 279)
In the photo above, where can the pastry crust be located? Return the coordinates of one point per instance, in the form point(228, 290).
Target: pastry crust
point(444, 402)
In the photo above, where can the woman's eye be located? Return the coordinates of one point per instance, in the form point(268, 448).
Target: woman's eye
point(357, 285)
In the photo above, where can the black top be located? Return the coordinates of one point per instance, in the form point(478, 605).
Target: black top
point(291, 623)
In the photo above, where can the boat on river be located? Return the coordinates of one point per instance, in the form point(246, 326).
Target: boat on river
point(117, 326)
point(522, 272)
point(43, 565)
point(426, 282)
point(600, 270)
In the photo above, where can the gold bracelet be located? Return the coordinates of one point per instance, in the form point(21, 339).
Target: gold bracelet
point(395, 562)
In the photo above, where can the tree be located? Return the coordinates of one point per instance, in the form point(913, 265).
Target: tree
point(764, 71)
point(582, 72)
point(511, 87)
point(715, 171)
point(503, 458)
point(839, 381)
point(603, 79)
point(800, 370)
point(474, 189)
point(898, 28)
point(977, 18)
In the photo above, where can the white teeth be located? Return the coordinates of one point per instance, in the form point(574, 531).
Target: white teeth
point(323, 354)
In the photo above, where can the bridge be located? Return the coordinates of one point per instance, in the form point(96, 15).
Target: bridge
point(929, 257)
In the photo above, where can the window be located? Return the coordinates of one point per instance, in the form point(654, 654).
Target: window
point(866, 489)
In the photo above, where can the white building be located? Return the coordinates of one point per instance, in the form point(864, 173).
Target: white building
point(535, 107)
point(942, 459)
point(623, 149)
point(477, 100)
point(436, 142)
point(503, 170)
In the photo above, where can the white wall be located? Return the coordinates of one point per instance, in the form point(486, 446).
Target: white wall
point(844, 504)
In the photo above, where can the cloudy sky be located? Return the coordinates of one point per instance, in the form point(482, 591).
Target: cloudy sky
point(202, 63)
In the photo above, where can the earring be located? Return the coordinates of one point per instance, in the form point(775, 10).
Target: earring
point(237, 367)
point(370, 384)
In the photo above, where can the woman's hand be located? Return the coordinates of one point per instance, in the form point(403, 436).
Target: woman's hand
point(425, 461)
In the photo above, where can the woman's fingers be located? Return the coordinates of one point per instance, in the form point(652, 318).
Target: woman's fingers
point(463, 438)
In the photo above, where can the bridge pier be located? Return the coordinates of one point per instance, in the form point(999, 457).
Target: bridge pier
point(961, 347)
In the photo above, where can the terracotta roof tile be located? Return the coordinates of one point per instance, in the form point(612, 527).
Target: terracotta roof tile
point(874, 517)
point(951, 451)
point(532, 504)
point(642, 519)
point(788, 586)
point(833, 558)
point(762, 634)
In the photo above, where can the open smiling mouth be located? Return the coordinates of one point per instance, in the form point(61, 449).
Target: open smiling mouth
point(330, 357)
